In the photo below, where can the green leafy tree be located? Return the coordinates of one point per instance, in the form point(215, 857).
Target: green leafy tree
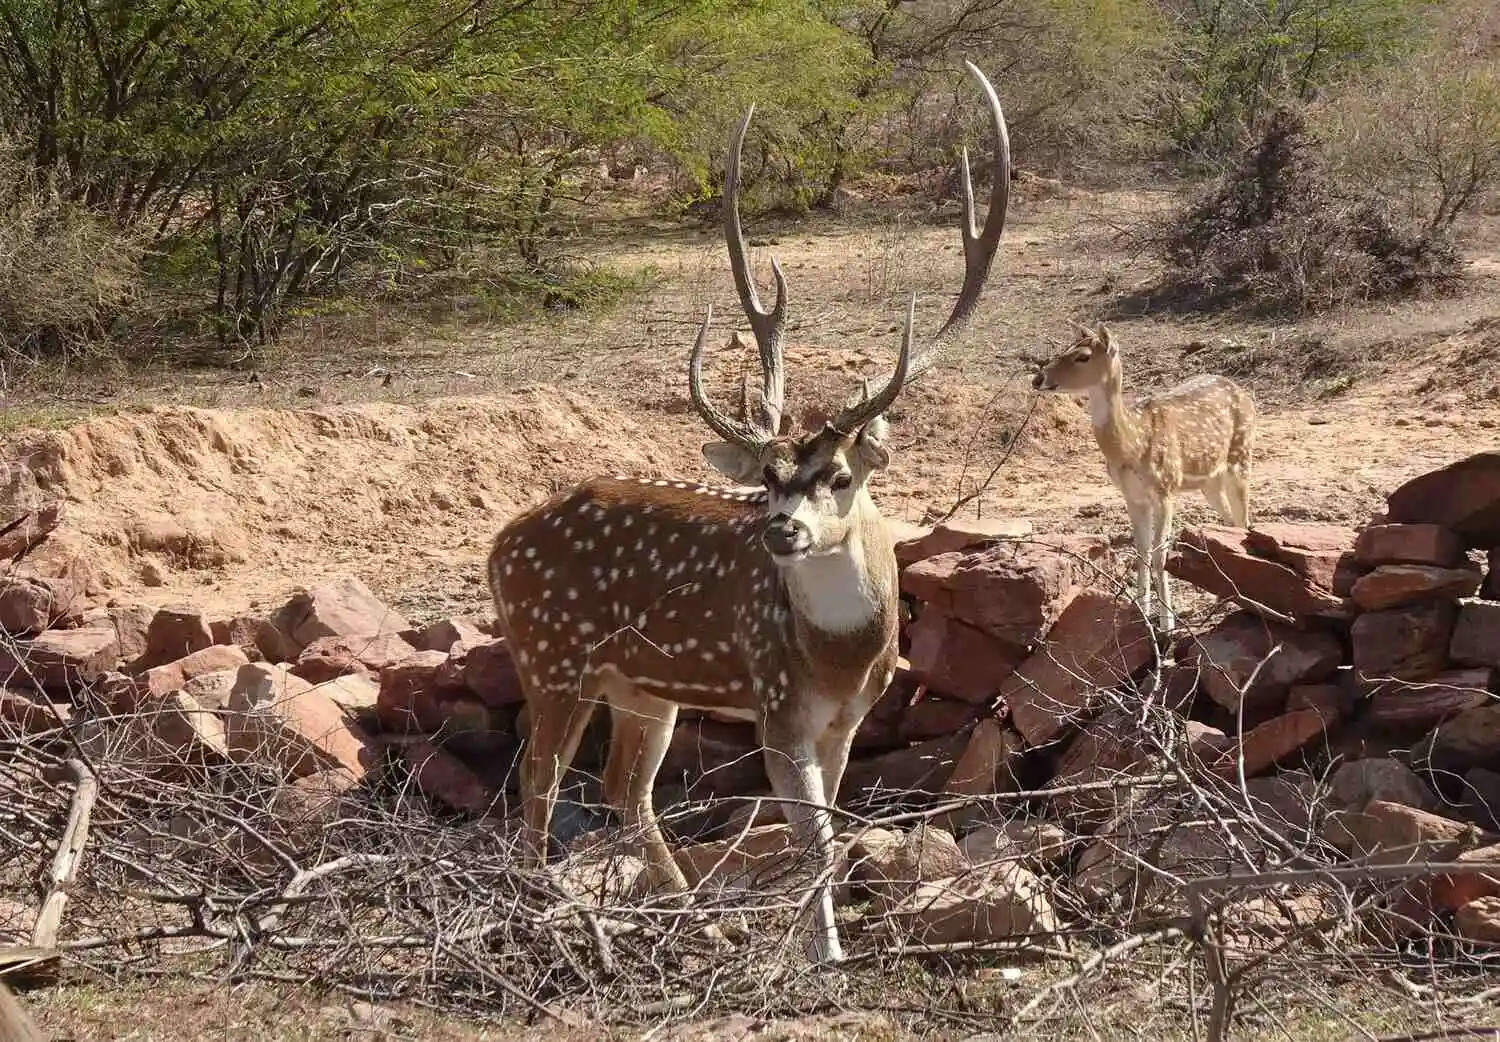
point(282, 142)
point(1237, 61)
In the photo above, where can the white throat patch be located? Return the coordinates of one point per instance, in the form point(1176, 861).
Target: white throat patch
point(1099, 407)
point(832, 590)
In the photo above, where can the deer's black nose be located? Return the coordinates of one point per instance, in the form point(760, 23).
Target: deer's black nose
point(785, 537)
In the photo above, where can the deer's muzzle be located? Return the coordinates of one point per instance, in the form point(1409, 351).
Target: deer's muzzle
point(786, 537)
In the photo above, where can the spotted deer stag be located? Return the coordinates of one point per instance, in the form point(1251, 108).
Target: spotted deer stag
point(774, 603)
point(1198, 434)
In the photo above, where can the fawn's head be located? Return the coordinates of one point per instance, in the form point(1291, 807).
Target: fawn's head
point(1092, 360)
point(815, 482)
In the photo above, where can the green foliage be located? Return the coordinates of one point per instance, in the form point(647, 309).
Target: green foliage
point(289, 140)
point(1074, 76)
point(1237, 61)
point(250, 156)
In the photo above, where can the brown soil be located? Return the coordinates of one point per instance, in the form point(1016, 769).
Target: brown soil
point(204, 485)
point(174, 494)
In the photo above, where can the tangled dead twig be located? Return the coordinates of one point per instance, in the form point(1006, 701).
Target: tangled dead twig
point(1162, 870)
point(70, 846)
point(965, 498)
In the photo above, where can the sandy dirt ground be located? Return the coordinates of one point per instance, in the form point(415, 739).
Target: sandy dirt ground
point(210, 486)
point(392, 447)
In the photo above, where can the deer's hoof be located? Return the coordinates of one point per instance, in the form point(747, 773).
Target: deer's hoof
point(726, 934)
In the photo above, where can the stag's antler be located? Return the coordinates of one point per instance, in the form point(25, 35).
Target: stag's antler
point(979, 254)
point(767, 326)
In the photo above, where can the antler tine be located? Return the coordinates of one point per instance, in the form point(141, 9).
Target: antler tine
point(980, 245)
point(766, 325)
point(979, 254)
point(867, 408)
point(723, 426)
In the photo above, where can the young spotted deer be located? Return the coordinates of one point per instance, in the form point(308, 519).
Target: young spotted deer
point(1196, 435)
point(775, 603)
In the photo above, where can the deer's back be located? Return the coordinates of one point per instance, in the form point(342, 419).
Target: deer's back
point(1199, 427)
point(665, 581)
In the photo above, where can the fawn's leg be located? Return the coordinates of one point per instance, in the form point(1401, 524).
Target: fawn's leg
point(1238, 493)
point(1161, 541)
point(1220, 497)
point(1141, 527)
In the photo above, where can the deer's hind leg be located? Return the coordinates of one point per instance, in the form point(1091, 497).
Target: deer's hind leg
point(1219, 492)
point(641, 730)
point(1236, 477)
point(559, 716)
point(1237, 491)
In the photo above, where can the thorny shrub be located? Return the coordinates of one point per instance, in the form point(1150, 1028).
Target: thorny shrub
point(1424, 134)
point(1280, 232)
point(65, 274)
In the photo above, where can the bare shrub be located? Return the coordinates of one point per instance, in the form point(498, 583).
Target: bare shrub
point(65, 273)
point(1424, 134)
point(1078, 78)
point(1280, 232)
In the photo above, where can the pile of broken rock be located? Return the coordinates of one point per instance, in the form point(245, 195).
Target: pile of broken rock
point(1349, 698)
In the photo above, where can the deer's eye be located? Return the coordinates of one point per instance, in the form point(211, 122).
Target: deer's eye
point(841, 481)
point(1081, 357)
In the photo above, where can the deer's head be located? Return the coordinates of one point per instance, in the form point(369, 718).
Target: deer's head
point(1091, 360)
point(816, 481)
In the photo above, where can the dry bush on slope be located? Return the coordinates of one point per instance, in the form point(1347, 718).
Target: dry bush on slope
point(1423, 134)
point(65, 274)
point(1279, 232)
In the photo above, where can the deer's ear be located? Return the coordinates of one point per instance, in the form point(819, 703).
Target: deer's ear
point(1107, 339)
point(871, 444)
point(733, 461)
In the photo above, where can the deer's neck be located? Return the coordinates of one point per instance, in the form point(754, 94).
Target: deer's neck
point(845, 592)
point(1115, 426)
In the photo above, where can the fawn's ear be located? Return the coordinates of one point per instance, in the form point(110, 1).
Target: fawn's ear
point(1107, 339)
point(735, 462)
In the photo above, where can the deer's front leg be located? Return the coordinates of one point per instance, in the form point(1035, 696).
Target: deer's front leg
point(1141, 530)
point(796, 774)
point(838, 736)
point(1161, 543)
